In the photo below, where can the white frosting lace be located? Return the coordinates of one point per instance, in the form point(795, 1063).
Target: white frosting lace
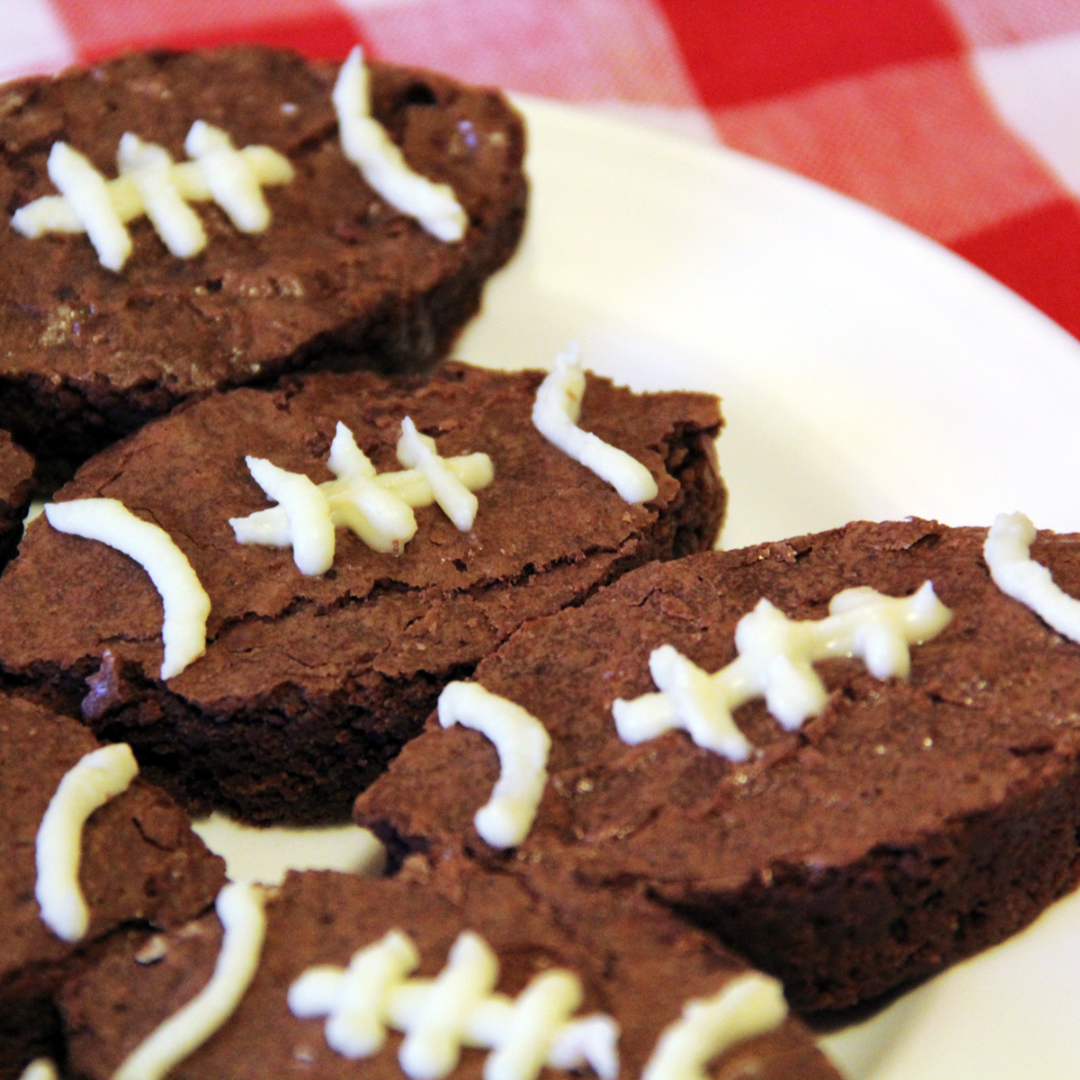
point(459, 1008)
point(151, 183)
point(376, 506)
point(775, 661)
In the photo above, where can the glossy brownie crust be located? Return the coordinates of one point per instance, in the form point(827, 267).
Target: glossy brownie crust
point(87, 355)
point(907, 826)
point(311, 684)
point(141, 865)
point(634, 960)
point(16, 488)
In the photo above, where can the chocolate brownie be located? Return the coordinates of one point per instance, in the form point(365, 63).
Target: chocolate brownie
point(16, 488)
point(909, 824)
point(310, 685)
point(635, 963)
point(141, 865)
point(339, 276)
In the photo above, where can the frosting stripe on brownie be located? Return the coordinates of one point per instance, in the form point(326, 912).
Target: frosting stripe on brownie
point(458, 1008)
point(240, 908)
point(186, 604)
point(150, 168)
point(311, 529)
point(150, 183)
point(231, 180)
point(87, 193)
point(750, 1005)
point(383, 520)
point(1007, 552)
point(555, 414)
point(367, 145)
point(775, 661)
point(95, 779)
point(418, 452)
point(523, 746)
point(376, 507)
point(354, 1000)
point(475, 471)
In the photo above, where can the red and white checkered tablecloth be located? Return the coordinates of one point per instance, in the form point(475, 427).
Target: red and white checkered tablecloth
point(959, 117)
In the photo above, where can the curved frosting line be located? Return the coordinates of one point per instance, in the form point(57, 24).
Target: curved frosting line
point(95, 779)
point(1007, 551)
point(523, 746)
point(367, 145)
point(555, 414)
point(240, 907)
point(186, 605)
point(749, 1005)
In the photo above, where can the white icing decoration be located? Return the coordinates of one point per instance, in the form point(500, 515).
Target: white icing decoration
point(151, 170)
point(42, 1068)
point(475, 471)
point(367, 145)
point(555, 414)
point(548, 1001)
point(416, 451)
point(355, 1001)
point(593, 1041)
point(233, 183)
point(151, 183)
point(240, 907)
point(1007, 551)
point(750, 1005)
point(698, 701)
point(377, 507)
point(95, 779)
point(310, 527)
point(383, 520)
point(523, 746)
point(186, 605)
point(86, 192)
point(459, 1008)
point(354, 499)
point(436, 1028)
point(775, 661)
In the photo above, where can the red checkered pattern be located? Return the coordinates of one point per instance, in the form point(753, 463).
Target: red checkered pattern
point(959, 117)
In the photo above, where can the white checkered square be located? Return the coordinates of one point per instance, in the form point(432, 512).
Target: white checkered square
point(34, 40)
point(1035, 86)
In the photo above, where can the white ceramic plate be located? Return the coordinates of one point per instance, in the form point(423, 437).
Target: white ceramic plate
point(865, 372)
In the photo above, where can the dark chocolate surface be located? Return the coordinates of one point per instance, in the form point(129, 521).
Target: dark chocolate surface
point(141, 864)
point(87, 354)
point(908, 825)
point(310, 684)
point(634, 960)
